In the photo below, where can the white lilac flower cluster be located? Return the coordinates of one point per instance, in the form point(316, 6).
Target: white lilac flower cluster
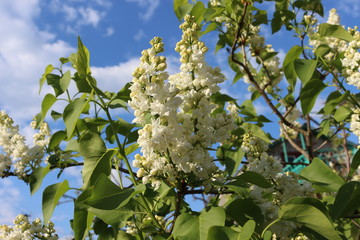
point(270, 74)
point(351, 60)
point(132, 229)
point(292, 117)
point(176, 112)
point(299, 237)
point(336, 45)
point(285, 185)
point(355, 123)
point(14, 150)
point(23, 229)
point(349, 50)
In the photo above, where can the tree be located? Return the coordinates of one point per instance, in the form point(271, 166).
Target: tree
point(195, 140)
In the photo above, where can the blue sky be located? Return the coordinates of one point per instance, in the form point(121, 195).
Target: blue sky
point(35, 33)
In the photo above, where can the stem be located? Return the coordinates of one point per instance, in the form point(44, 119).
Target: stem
point(354, 101)
point(346, 152)
point(116, 163)
point(179, 198)
point(128, 166)
point(308, 139)
point(297, 147)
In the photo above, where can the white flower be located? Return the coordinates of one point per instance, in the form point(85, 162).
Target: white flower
point(286, 184)
point(177, 113)
point(15, 152)
point(24, 230)
point(334, 18)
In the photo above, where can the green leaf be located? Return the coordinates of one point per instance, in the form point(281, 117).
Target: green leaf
point(333, 100)
point(321, 50)
point(56, 139)
point(82, 218)
point(336, 31)
point(248, 108)
point(189, 226)
point(54, 81)
point(276, 22)
point(93, 148)
point(125, 236)
point(354, 163)
point(119, 216)
point(288, 65)
point(42, 80)
point(51, 197)
point(310, 5)
point(82, 83)
point(106, 195)
point(322, 176)
point(255, 178)
point(260, 18)
point(243, 210)
point(209, 28)
point(247, 230)
point(92, 170)
point(305, 69)
point(219, 97)
point(310, 217)
point(256, 130)
point(55, 115)
point(198, 11)
point(82, 59)
point(47, 103)
point(232, 159)
point(342, 113)
point(181, 8)
point(346, 201)
point(65, 81)
point(223, 233)
point(309, 94)
point(72, 113)
point(36, 178)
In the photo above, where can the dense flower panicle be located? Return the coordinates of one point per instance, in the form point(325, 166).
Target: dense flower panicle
point(336, 45)
point(23, 229)
point(355, 123)
point(286, 185)
point(176, 112)
point(15, 152)
point(349, 51)
point(333, 18)
point(351, 60)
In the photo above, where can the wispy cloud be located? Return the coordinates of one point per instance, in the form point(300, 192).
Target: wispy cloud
point(139, 35)
point(350, 7)
point(25, 51)
point(149, 5)
point(80, 13)
point(109, 32)
point(10, 198)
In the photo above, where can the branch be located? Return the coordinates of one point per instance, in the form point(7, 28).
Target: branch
point(326, 141)
point(253, 81)
point(297, 147)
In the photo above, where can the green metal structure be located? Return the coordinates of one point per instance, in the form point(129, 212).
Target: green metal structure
point(301, 162)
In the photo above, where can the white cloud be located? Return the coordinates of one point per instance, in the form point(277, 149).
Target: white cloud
point(149, 5)
point(25, 51)
point(350, 7)
point(10, 198)
point(79, 13)
point(90, 16)
point(109, 32)
point(113, 78)
point(139, 35)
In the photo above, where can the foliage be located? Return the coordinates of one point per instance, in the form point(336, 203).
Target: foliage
point(195, 140)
